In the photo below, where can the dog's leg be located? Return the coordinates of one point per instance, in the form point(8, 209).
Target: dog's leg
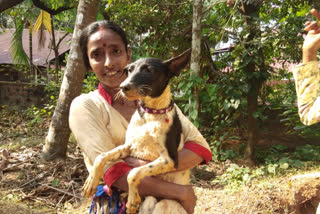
point(148, 205)
point(90, 186)
point(160, 165)
point(166, 206)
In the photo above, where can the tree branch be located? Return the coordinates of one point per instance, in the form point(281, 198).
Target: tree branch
point(42, 6)
point(60, 40)
point(7, 4)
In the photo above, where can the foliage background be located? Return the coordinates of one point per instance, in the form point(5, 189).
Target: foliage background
point(163, 29)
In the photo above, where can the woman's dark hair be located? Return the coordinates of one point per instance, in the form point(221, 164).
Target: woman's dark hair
point(91, 29)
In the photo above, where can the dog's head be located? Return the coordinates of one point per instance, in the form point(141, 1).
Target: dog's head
point(150, 76)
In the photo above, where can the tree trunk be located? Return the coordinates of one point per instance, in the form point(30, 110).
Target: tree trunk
point(195, 55)
point(254, 83)
point(252, 99)
point(59, 132)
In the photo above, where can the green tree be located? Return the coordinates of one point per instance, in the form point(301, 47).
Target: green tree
point(262, 33)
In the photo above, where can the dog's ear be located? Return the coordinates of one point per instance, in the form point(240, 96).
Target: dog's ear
point(177, 63)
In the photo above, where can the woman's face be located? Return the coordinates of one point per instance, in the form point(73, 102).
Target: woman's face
point(107, 57)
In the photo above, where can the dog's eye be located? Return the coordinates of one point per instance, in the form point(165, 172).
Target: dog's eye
point(145, 69)
point(130, 69)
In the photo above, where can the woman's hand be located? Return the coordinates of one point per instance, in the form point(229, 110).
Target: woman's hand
point(188, 199)
point(134, 162)
point(312, 41)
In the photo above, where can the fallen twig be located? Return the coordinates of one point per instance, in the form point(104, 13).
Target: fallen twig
point(37, 199)
point(40, 176)
point(61, 199)
point(13, 167)
point(63, 191)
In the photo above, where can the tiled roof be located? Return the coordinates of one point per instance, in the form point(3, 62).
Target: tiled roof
point(40, 56)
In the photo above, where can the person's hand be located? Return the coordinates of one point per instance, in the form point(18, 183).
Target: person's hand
point(134, 162)
point(312, 41)
point(188, 199)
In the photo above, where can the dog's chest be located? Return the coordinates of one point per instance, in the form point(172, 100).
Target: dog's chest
point(147, 135)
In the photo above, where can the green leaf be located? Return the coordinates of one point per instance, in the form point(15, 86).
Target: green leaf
point(271, 168)
point(297, 163)
point(194, 114)
point(16, 47)
point(299, 127)
point(284, 165)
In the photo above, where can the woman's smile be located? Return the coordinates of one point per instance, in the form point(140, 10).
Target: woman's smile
point(110, 73)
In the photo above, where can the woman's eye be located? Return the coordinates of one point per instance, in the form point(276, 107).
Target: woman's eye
point(96, 55)
point(116, 51)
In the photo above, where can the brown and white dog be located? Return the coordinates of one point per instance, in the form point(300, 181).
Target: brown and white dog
point(153, 134)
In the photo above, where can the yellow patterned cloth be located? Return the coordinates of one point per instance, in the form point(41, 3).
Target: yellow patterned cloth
point(307, 80)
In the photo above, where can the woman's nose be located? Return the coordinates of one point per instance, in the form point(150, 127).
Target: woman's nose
point(108, 63)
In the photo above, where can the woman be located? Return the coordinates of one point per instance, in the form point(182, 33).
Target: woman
point(307, 75)
point(99, 119)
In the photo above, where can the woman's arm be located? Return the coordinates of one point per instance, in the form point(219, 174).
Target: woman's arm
point(88, 120)
point(307, 76)
point(194, 142)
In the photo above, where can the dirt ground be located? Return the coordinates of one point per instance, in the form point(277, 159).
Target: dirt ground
point(29, 184)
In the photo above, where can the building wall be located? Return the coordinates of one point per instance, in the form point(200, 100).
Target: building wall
point(22, 94)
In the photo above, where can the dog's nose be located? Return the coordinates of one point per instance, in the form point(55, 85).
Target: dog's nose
point(125, 87)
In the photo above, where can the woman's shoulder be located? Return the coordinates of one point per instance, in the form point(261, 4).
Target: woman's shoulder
point(91, 96)
point(89, 105)
point(89, 100)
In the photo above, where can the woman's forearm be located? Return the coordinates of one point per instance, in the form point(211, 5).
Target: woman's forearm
point(187, 159)
point(309, 55)
point(151, 186)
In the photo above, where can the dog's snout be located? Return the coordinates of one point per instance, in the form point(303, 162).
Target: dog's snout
point(125, 87)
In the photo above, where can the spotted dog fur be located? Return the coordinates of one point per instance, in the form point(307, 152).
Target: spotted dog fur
point(152, 137)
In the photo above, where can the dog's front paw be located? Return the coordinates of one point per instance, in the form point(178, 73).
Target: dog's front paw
point(133, 203)
point(132, 208)
point(90, 186)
